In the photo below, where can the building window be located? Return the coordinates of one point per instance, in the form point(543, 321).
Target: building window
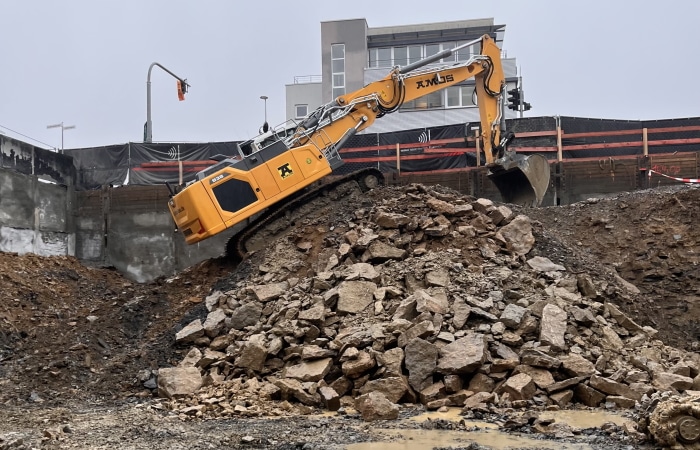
point(460, 96)
point(465, 53)
point(338, 69)
point(301, 111)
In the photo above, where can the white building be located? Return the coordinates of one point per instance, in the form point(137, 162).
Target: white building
point(353, 55)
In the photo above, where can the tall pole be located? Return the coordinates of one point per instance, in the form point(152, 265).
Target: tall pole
point(63, 128)
point(265, 126)
point(148, 128)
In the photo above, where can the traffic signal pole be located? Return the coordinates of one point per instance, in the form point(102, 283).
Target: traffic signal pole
point(182, 89)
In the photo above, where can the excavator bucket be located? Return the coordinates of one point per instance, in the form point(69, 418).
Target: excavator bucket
point(521, 180)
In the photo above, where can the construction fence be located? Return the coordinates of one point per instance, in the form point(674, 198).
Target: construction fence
point(567, 142)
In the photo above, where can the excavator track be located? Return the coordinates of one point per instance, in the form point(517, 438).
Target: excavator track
point(672, 422)
point(236, 247)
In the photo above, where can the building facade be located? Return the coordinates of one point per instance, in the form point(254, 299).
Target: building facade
point(353, 55)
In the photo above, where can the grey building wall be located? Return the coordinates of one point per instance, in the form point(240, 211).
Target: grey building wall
point(310, 94)
point(352, 33)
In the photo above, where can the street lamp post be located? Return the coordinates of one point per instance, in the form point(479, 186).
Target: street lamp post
point(148, 127)
point(265, 126)
point(63, 128)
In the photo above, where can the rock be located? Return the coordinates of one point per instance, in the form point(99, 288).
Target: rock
point(585, 285)
point(309, 370)
point(576, 365)
point(360, 271)
point(542, 264)
point(542, 377)
point(190, 333)
point(464, 355)
point(210, 357)
point(453, 383)
point(426, 302)
point(420, 330)
point(175, 382)
point(583, 316)
point(612, 387)
point(391, 220)
point(441, 206)
point(439, 278)
point(665, 381)
point(316, 314)
point(214, 323)
point(268, 292)
point(391, 360)
point(421, 359)
point(588, 396)
point(481, 383)
point(512, 316)
point(520, 387)
point(562, 398)
point(355, 296)
point(393, 388)
point(431, 393)
point(478, 399)
point(252, 355)
point(375, 406)
point(330, 398)
point(379, 252)
point(622, 319)
point(354, 368)
point(245, 316)
point(517, 235)
point(611, 340)
point(315, 352)
point(191, 358)
point(292, 388)
point(461, 313)
point(553, 326)
point(536, 358)
point(621, 402)
point(564, 384)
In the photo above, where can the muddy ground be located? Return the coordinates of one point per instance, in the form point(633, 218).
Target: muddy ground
point(73, 338)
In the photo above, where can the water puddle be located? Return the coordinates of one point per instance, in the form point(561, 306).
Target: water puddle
point(429, 439)
point(584, 418)
point(484, 433)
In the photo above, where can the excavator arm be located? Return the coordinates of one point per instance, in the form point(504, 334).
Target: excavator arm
point(519, 179)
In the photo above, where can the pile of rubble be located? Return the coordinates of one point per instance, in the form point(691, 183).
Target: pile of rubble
point(415, 295)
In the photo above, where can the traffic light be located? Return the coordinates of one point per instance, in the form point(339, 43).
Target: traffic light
point(514, 99)
point(527, 106)
point(181, 89)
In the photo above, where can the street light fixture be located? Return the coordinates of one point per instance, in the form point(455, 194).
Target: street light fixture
point(63, 128)
point(265, 126)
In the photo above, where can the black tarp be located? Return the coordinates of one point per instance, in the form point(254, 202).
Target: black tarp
point(420, 149)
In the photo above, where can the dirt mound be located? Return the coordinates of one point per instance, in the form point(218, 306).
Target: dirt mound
point(68, 331)
point(649, 238)
point(71, 331)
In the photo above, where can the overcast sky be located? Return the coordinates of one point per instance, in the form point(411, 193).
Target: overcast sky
point(85, 62)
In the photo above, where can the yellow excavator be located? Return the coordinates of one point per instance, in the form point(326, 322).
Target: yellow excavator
point(281, 163)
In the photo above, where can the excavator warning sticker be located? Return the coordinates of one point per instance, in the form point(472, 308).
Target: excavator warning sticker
point(285, 170)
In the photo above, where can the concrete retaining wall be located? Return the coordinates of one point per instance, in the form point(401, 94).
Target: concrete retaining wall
point(35, 216)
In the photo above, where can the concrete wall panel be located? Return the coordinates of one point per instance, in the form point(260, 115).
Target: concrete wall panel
point(16, 200)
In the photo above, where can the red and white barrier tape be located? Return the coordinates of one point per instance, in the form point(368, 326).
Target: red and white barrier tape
point(684, 180)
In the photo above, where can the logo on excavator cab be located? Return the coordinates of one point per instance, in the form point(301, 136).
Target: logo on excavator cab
point(285, 170)
point(434, 81)
point(218, 178)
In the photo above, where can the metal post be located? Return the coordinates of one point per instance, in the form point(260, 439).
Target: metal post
point(645, 141)
point(148, 130)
